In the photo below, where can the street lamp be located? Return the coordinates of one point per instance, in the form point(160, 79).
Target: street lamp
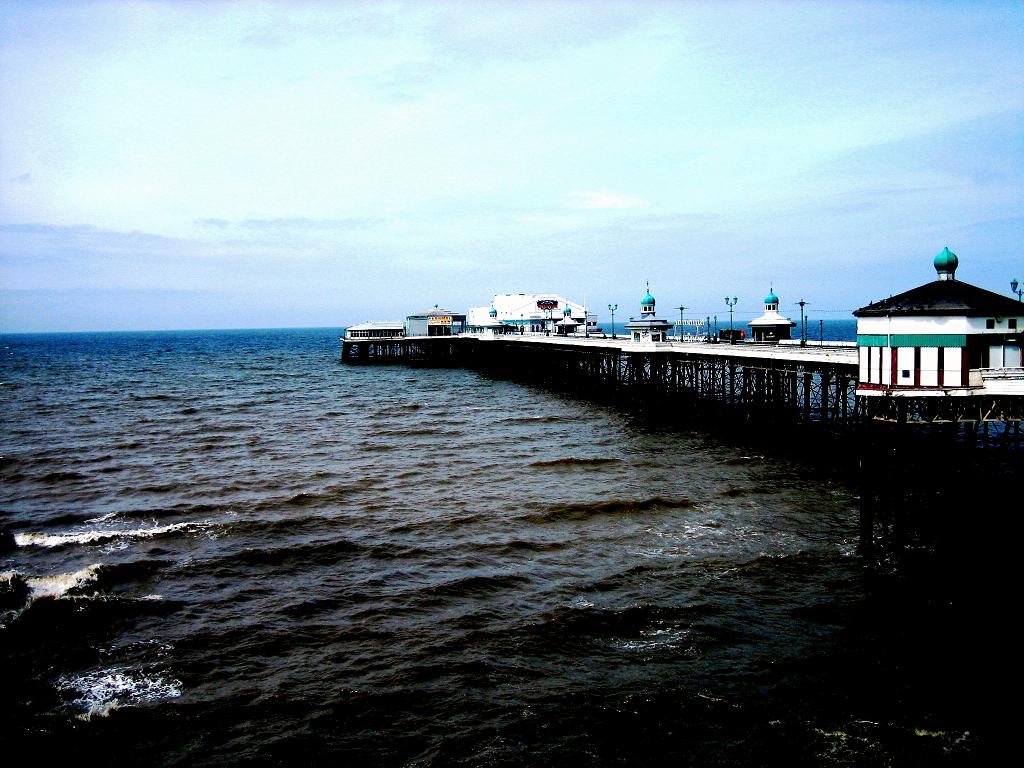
point(612, 308)
point(803, 324)
point(679, 335)
point(731, 303)
point(1016, 288)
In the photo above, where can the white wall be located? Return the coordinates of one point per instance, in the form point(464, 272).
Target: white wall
point(905, 366)
point(951, 367)
point(930, 324)
point(930, 366)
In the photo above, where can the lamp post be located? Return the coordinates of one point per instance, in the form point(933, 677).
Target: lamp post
point(1015, 286)
point(612, 308)
point(731, 303)
point(803, 323)
point(679, 335)
point(707, 327)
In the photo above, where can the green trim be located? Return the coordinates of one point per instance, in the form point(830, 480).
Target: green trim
point(912, 340)
point(872, 340)
point(928, 340)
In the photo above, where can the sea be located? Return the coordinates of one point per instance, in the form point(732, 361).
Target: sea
point(228, 548)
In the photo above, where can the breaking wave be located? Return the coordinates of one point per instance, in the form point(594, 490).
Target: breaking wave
point(38, 539)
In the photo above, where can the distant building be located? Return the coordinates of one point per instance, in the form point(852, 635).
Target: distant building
point(771, 326)
point(435, 322)
point(648, 328)
point(376, 330)
point(944, 337)
point(531, 313)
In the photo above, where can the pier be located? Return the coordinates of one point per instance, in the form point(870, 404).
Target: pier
point(760, 384)
point(935, 372)
point(816, 383)
point(771, 382)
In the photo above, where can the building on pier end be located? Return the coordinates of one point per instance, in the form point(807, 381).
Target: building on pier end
point(946, 337)
point(648, 328)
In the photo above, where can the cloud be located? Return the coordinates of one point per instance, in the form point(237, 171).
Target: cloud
point(529, 30)
point(604, 200)
point(308, 224)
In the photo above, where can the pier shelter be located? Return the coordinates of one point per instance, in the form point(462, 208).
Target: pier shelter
point(648, 328)
point(946, 337)
point(771, 326)
point(435, 322)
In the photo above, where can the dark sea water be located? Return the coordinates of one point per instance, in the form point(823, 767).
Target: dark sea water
point(230, 549)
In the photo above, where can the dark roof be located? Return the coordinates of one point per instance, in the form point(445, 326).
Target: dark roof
point(944, 297)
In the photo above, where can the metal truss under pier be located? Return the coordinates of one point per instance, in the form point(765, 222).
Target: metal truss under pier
point(763, 382)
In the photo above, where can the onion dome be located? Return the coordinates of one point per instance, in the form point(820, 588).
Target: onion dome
point(946, 263)
point(771, 298)
point(566, 311)
point(648, 299)
point(493, 312)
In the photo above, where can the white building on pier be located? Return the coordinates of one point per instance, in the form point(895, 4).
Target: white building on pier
point(530, 313)
point(648, 328)
point(771, 326)
point(945, 337)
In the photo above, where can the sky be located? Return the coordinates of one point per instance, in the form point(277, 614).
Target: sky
point(169, 165)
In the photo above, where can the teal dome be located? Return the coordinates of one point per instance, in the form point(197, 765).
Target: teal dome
point(946, 261)
point(493, 312)
point(648, 299)
point(566, 311)
point(771, 298)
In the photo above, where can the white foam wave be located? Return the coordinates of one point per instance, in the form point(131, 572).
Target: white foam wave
point(103, 691)
point(88, 537)
point(59, 584)
point(103, 518)
point(656, 640)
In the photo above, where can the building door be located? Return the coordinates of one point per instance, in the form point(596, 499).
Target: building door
point(1012, 357)
point(995, 355)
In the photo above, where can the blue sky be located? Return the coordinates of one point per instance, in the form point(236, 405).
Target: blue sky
point(215, 164)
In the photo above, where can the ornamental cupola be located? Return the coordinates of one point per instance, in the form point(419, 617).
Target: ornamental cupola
point(946, 263)
point(647, 303)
